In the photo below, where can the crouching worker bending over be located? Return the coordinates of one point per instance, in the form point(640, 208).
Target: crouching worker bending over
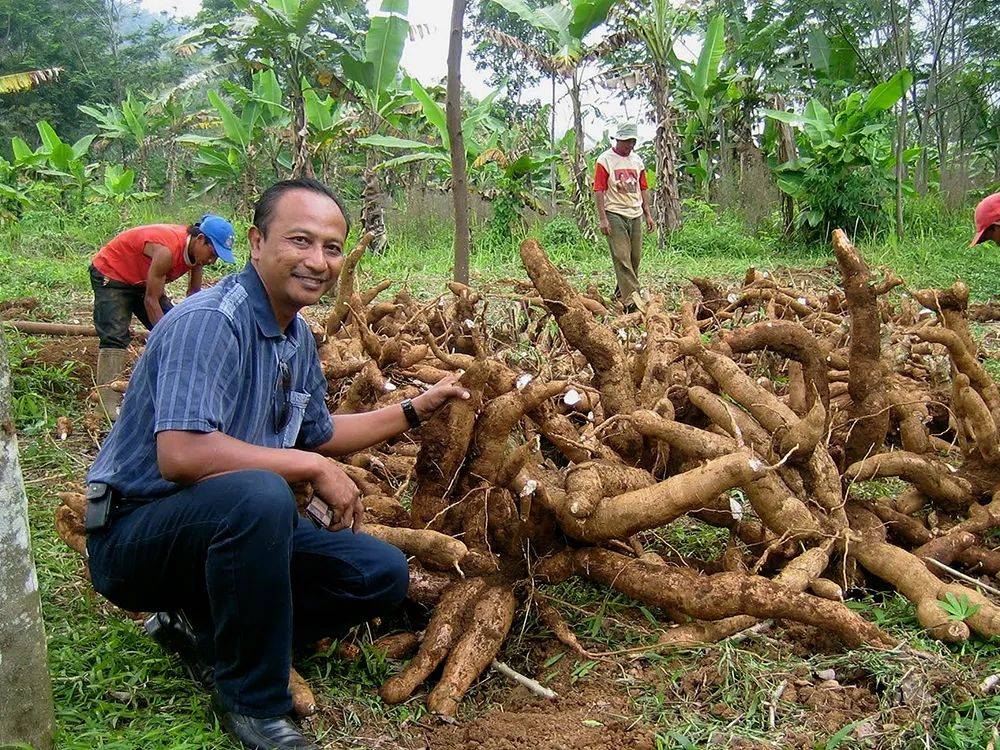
point(190, 514)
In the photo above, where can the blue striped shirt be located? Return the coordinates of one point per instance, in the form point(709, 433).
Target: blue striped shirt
point(213, 364)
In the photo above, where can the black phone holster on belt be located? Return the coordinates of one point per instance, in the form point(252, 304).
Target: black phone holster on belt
point(100, 499)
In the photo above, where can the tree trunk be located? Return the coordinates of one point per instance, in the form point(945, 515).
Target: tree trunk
point(552, 140)
point(302, 164)
point(787, 150)
point(923, 163)
point(249, 192)
point(667, 195)
point(901, 39)
point(372, 211)
point(170, 186)
point(581, 200)
point(900, 166)
point(459, 179)
point(114, 19)
point(373, 198)
point(26, 716)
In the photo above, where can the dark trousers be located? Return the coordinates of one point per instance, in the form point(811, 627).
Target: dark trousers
point(114, 305)
point(252, 576)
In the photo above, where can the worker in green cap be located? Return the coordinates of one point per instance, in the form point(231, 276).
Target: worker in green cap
point(622, 197)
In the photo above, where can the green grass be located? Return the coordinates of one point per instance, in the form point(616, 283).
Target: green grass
point(113, 689)
point(47, 253)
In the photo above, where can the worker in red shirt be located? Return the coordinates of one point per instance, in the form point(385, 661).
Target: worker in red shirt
point(988, 220)
point(129, 275)
point(622, 198)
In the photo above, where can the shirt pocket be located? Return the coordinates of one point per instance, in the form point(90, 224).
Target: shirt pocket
point(297, 403)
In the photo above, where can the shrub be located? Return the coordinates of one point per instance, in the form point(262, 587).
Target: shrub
point(708, 232)
point(560, 230)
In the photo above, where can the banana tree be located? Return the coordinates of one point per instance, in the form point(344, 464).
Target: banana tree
point(129, 124)
point(56, 161)
point(833, 58)
point(433, 114)
point(174, 116)
point(497, 170)
point(656, 25)
point(292, 38)
point(371, 76)
point(329, 121)
point(117, 185)
point(234, 155)
point(701, 95)
point(14, 197)
point(845, 171)
point(566, 24)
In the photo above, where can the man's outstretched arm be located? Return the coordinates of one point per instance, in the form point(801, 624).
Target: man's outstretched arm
point(355, 432)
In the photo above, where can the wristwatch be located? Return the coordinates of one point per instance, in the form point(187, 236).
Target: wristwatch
point(410, 412)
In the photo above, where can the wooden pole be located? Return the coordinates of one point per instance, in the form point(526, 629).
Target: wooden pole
point(459, 177)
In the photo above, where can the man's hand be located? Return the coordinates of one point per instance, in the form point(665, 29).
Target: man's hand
point(437, 396)
point(339, 492)
point(649, 223)
point(605, 227)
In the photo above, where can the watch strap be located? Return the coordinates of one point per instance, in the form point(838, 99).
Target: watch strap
point(410, 412)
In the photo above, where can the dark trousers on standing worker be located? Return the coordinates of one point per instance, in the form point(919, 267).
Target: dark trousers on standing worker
point(625, 241)
point(252, 576)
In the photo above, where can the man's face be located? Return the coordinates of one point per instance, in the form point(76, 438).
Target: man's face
point(625, 147)
point(201, 251)
point(300, 257)
point(992, 233)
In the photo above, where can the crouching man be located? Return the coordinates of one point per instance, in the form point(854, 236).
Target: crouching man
point(190, 513)
point(129, 276)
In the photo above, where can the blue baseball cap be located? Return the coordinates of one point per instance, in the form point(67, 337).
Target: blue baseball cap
point(220, 233)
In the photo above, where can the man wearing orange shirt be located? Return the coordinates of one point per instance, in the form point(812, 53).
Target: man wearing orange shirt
point(622, 197)
point(129, 275)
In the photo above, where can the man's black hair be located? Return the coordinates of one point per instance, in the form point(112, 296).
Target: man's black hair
point(265, 204)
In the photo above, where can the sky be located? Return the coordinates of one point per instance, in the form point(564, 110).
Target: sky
point(425, 60)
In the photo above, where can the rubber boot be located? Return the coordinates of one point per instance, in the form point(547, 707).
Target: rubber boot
point(110, 363)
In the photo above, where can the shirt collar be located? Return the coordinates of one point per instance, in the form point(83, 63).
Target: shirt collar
point(260, 303)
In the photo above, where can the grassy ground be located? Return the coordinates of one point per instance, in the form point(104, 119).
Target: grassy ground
point(46, 255)
point(113, 689)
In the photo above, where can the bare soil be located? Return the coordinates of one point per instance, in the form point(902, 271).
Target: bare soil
point(594, 713)
point(79, 350)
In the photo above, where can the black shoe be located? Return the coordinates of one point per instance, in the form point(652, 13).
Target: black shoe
point(262, 734)
point(175, 634)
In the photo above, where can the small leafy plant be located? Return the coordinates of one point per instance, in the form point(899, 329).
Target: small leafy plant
point(958, 608)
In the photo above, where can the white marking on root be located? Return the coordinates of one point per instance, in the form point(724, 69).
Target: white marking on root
point(736, 508)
